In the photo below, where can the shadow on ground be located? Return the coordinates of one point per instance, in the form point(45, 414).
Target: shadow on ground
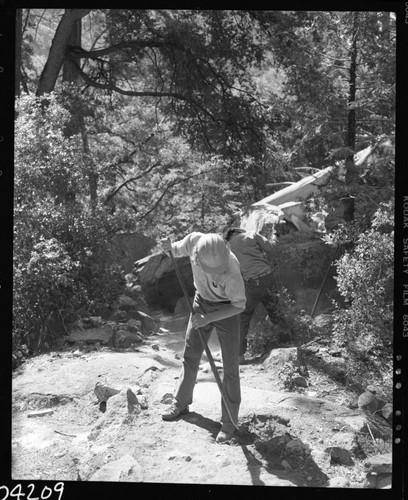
point(197, 419)
point(265, 447)
point(265, 443)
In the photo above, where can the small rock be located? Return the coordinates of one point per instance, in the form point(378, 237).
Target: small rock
point(148, 323)
point(319, 455)
point(125, 303)
point(40, 413)
point(356, 423)
point(300, 381)
point(387, 412)
point(143, 402)
point(286, 464)
point(95, 320)
point(368, 401)
point(124, 338)
point(371, 389)
point(278, 357)
point(384, 482)
point(346, 440)
point(335, 353)
point(338, 482)
point(134, 322)
point(103, 393)
point(340, 456)
point(133, 402)
point(379, 464)
point(295, 445)
point(153, 368)
point(118, 316)
point(134, 289)
point(371, 480)
point(134, 326)
point(119, 470)
point(178, 455)
point(167, 398)
point(136, 389)
point(206, 368)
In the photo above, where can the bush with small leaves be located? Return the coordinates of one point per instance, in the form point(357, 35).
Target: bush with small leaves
point(365, 278)
point(61, 243)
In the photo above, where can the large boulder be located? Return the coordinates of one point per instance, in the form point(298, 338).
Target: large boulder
point(159, 281)
point(278, 357)
point(91, 335)
point(326, 361)
point(379, 471)
point(379, 464)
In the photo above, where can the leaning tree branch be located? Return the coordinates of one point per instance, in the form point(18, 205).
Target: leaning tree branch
point(110, 86)
point(172, 184)
point(144, 93)
point(167, 188)
point(131, 44)
point(58, 48)
point(127, 181)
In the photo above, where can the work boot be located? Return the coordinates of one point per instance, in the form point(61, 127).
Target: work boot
point(226, 433)
point(174, 412)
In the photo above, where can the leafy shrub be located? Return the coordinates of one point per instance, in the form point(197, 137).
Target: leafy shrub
point(61, 245)
point(60, 265)
point(365, 279)
point(41, 285)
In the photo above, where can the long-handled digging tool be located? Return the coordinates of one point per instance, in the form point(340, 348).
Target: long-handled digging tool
point(206, 348)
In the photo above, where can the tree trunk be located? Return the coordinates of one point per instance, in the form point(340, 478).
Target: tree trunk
point(69, 70)
point(19, 41)
point(58, 49)
point(351, 114)
point(70, 74)
point(89, 166)
point(202, 205)
point(351, 121)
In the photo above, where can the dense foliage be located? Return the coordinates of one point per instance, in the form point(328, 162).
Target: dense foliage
point(365, 279)
point(60, 248)
point(167, 121)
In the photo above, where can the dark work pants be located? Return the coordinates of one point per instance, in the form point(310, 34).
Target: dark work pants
point(228, 336)
point(257, 291)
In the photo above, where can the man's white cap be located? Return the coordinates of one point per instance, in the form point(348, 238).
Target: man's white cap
point(212, 253)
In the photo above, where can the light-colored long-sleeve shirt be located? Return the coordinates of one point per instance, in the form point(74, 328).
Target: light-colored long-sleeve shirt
point(227, 286)
point(251, 249)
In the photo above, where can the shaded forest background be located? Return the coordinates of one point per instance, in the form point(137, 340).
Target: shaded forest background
point(163, 122)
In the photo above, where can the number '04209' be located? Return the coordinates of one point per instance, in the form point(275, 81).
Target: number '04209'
point(17, 492)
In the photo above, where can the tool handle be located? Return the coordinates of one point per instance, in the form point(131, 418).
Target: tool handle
point(206, 348)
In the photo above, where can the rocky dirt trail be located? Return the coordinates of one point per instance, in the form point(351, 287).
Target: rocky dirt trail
point(301, 438)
